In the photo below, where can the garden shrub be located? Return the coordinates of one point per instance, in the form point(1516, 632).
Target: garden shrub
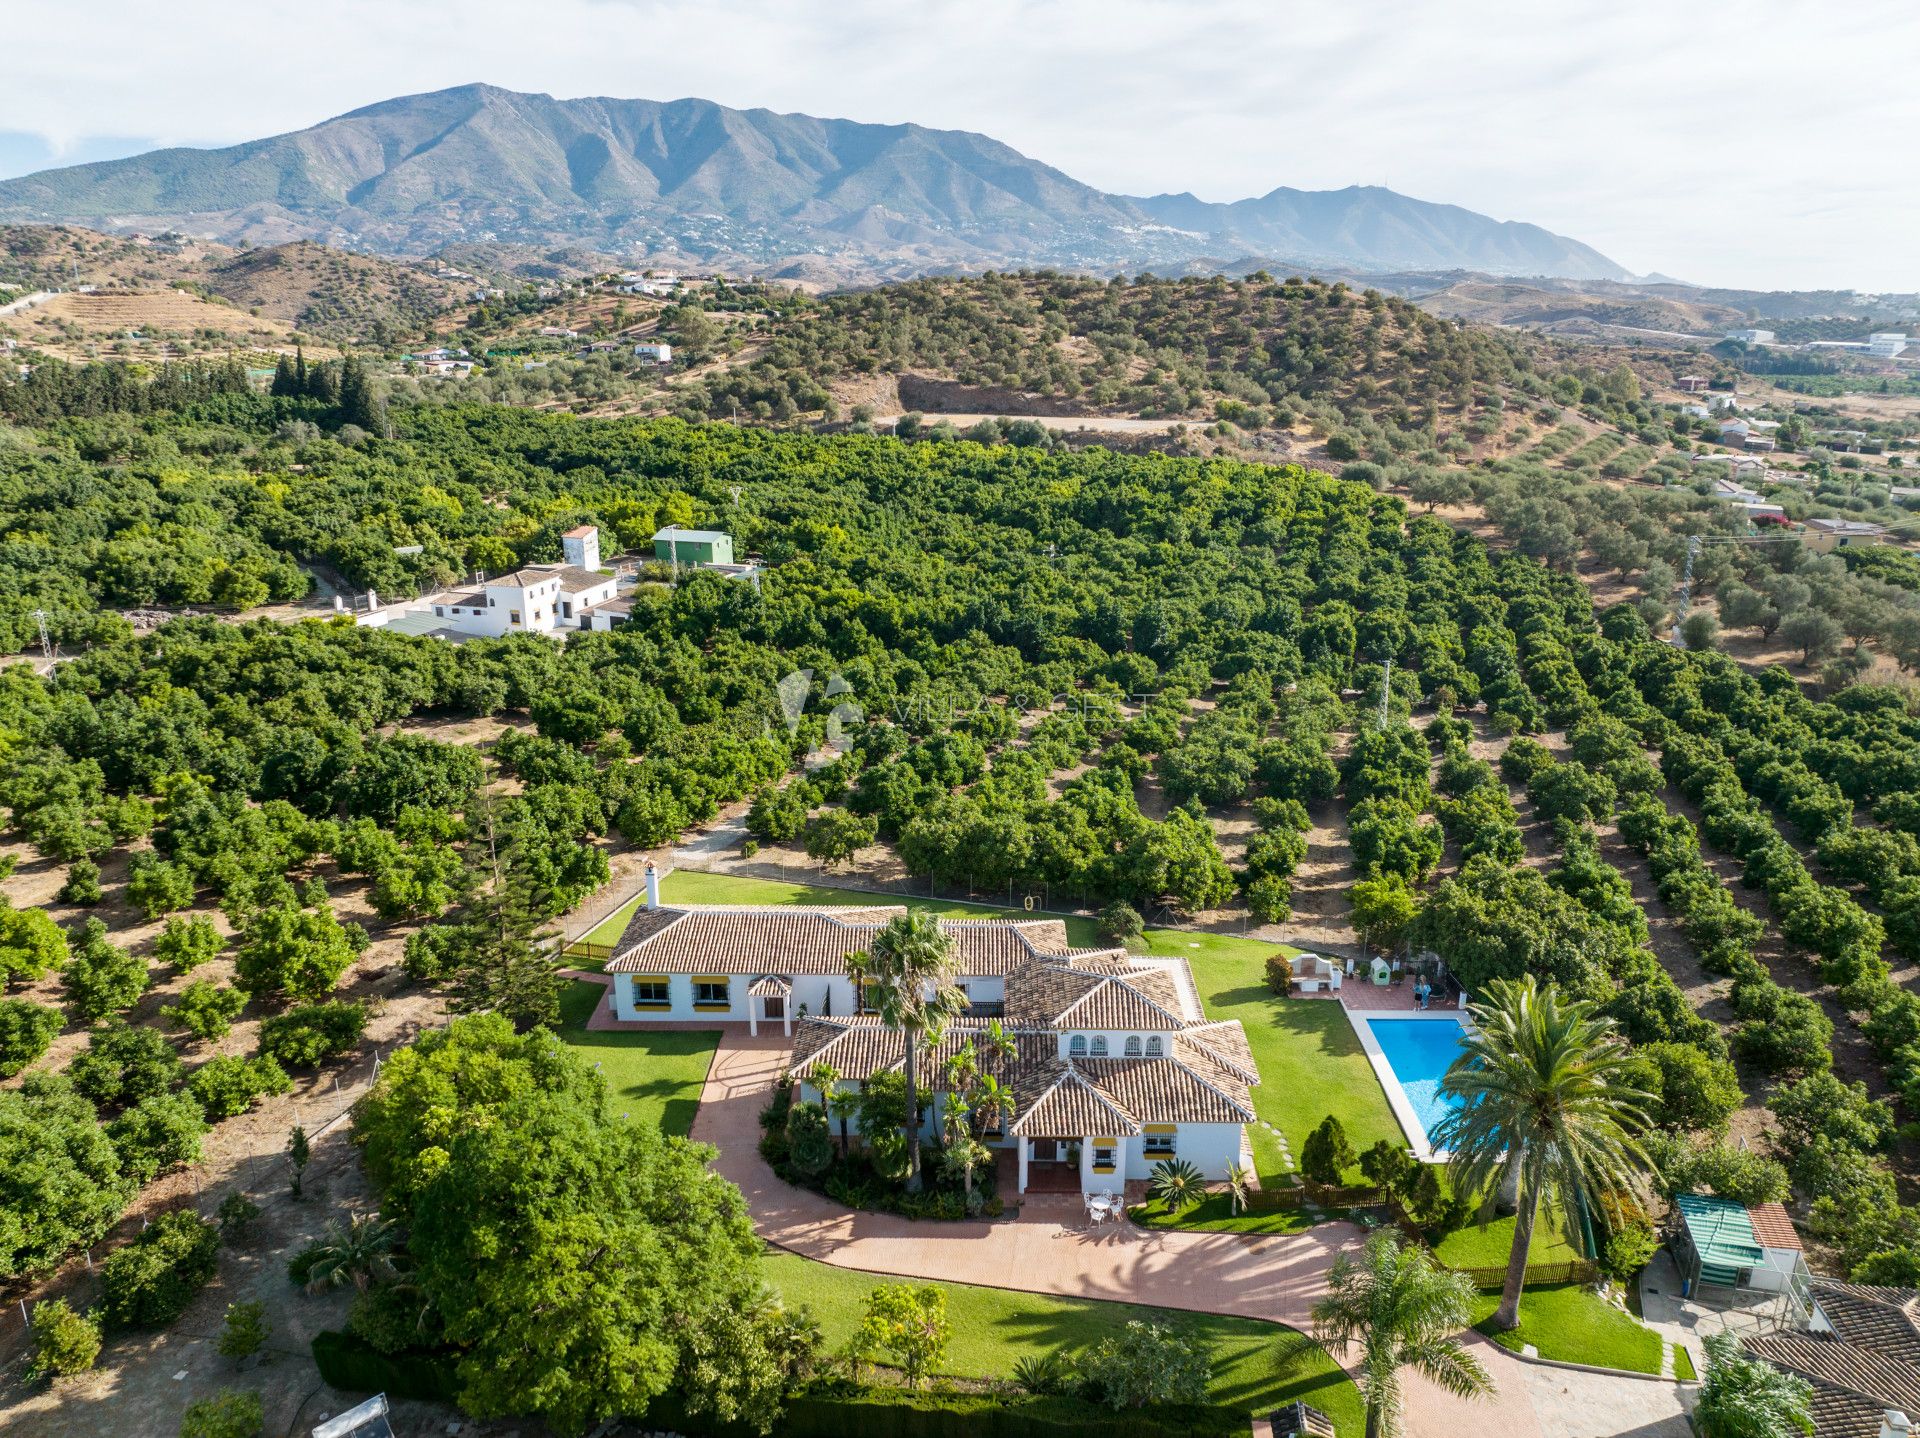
point(1327, 1155)
point(64, 1342)
point(158, 1133)
point(230, 1413)
point(27, 1030)
point(206, 1009)
point(1279, 974)
point(149, 1282)
point(124, 1063)
point(244, 1331)
point(312, 1033)
point(230, 1085)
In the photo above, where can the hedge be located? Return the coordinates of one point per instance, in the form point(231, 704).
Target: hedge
point(347, 1363)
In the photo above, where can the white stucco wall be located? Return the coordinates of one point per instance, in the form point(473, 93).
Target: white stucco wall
point(680, 1004)
point(1209, 1147)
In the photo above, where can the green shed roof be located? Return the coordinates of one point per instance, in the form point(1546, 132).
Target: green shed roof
point(1721, 1231)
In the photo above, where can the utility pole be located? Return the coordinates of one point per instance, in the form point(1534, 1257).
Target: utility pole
point(46, 640)
point(1386, 690)
point(1686, 587)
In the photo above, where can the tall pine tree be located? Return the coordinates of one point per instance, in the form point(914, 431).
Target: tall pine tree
point(503, 960)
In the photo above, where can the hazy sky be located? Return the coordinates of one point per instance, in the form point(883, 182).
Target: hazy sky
point(1768, 143)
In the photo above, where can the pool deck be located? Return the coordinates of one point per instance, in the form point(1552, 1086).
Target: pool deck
point(1397, 1100)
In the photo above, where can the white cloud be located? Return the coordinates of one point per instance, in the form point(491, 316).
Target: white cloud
point(1761, 143)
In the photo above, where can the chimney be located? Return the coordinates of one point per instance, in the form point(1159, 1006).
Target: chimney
point(653, 886)
point(1895, 1424)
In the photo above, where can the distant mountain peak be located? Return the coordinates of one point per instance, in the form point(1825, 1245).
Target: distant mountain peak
point(476, 163)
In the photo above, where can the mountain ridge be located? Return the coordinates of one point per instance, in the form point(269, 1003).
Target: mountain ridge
point(477, 164)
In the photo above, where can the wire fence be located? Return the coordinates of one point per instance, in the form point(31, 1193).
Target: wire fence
point(262, 1172)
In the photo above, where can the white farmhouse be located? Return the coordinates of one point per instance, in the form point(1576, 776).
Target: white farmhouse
point(654, 353)
point(1114, 1067)
point(540, 598)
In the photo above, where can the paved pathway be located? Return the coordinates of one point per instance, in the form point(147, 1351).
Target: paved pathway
point(1051, 1250)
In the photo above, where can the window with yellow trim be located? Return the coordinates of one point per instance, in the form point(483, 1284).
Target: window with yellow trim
point(650, 991)
point(1103, 1151)
point(1158, 1140)
point(712, 993)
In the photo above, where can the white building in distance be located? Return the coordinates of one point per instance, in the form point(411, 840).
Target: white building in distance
point(539, 598)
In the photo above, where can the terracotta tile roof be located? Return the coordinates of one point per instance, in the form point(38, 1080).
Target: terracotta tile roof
point(1100, 995)
point(1772, 1227)
point(1222, 1047)
point(1880, 1320)
point(1837, 1413)
point(1051, 1095)
point(862, 1046)
point(1887, 1382)
point(1167, 1091)
point(790, 940)
point(1059, 1100)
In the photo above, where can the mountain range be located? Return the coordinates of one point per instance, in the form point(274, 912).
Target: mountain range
point(640, 178)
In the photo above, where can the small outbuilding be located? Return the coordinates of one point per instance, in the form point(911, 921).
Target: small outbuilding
point(1723, 1244)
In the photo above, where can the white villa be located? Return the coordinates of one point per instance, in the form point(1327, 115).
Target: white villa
point(1116, 1066)
point(540, 598)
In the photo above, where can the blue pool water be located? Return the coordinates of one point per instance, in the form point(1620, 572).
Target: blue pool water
point(1420, 1051)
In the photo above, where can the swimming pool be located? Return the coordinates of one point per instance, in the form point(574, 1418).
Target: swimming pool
point(1409, 1056)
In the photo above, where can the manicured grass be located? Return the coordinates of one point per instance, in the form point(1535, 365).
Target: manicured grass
point(1683, 1364)
point(1310, 1062)
point(1476, 1247)
point(1569, 1322)
point(1215, 1215)
point(1256, 1366)
point(651, 1077)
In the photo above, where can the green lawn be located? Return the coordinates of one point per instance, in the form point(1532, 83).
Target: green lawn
point(1568, 1322)
point(1215, 1215)
point(1257, 1366)
point(651, 1077)
point(1310, 1063)
point(1476, 1247)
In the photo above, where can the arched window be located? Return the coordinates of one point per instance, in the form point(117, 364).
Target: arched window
point(1133, 1046)
point(1153, 1046)
point(1099, 1046)
point(1077, 1046)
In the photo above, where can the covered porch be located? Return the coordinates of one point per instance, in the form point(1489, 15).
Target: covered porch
point(770, 1000)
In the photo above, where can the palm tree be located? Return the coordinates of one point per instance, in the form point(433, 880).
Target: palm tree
point(1401, 1309)
point(957, 1076)
point(909, 966)
point(1744, 1397)
point(844, 1104)
point(1239, 1186)
point(991, 1101)
point(997, 1049)
point(1177, 1184)
point(961, 1158)
point(1546, 1112)
point(823, 1077)
point(363, 1254)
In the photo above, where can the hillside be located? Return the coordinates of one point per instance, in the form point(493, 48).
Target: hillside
point(745, 188)
point(1249, 351)
point(328, 292)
